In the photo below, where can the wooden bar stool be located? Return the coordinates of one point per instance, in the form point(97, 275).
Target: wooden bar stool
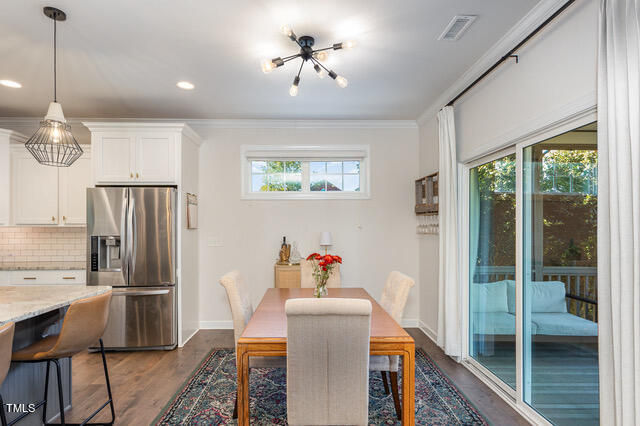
point(6, 341)
point(83, 324)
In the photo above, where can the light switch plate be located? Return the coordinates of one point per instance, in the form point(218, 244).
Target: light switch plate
point(215, 242)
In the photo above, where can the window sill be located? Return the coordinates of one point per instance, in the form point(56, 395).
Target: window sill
point(306, 196)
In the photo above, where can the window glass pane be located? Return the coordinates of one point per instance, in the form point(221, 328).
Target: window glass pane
point(334, 182)
point(293, 182)
point(492, 219)
point(259, 183)
point(258, 166)
point(351, 166)
point(276, 182)
point(293, 166)
point(560, 330)
point(318, 183)
point(334, 167)
point(351, 183)
point(317, 167)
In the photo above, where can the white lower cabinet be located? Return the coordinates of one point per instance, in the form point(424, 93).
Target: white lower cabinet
point(45, 277)
point(47, 195)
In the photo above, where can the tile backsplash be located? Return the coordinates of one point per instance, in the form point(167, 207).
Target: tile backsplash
point(37, 244)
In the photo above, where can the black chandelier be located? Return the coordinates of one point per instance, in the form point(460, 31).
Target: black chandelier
point(53, 144)
point(307, 53)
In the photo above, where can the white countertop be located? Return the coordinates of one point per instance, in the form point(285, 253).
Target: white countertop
point(18, 303)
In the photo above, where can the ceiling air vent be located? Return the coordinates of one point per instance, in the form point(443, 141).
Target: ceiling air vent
point(457, 27)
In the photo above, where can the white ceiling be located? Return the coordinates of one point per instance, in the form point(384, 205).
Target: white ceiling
point(122, 58)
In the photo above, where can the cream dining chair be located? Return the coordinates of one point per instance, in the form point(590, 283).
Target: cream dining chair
point(394, 299)
point(241, 312)
point(306, 275)
point(328, 361)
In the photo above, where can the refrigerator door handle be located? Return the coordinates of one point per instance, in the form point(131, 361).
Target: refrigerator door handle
point(131, 244)
point(124, 243)
point(140, 293)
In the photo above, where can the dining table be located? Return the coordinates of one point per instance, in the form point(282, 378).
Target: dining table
point(266, 335)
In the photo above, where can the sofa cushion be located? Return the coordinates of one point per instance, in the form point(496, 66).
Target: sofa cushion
point(489, 297)
point(496, 323)
point(562, 324)
point(546, 296)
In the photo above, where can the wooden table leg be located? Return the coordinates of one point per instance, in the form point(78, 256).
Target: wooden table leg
point(242, 363)
point(409, 385)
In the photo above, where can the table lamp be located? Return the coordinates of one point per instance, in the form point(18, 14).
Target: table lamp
point(325, 240)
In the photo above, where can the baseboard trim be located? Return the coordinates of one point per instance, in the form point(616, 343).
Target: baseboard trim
point(428, 331)
point(189, 338)
point(228, 325)
point(216, 325)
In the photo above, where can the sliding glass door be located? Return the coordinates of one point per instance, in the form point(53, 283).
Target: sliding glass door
point(492, 238)
point(533, 281)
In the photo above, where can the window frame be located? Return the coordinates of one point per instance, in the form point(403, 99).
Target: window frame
point(305, 154)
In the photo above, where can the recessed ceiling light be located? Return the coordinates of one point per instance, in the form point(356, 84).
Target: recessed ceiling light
point(185, 85)
point(11, 83)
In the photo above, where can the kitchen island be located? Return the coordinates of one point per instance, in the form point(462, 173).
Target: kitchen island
point(37, 310)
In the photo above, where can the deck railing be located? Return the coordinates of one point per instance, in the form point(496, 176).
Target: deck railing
point(580, 282)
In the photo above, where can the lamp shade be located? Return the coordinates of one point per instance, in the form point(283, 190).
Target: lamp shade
point(325, 239)
point(53, 144)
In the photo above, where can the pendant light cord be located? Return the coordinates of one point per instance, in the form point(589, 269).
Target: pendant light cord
point(55, 77)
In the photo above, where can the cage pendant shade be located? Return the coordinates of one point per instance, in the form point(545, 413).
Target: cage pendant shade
point(53, 144)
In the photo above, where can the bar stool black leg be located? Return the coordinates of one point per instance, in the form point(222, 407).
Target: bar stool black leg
point(106, 378)
point(3, 417)
point(60, 392)
point(46, 392)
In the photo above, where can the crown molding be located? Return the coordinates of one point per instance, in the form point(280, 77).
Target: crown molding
point(536, 16)
point(13, 136)
point(302, 124)
point(228, 123)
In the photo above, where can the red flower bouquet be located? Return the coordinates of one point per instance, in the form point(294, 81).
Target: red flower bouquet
point(322, 267)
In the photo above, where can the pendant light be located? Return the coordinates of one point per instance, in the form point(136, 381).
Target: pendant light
point(53, 144)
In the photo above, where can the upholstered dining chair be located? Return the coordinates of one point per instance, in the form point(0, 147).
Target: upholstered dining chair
point(393, 300)
point(6, 342)
point(241, 312)
point(328, 361)
point(306, 275)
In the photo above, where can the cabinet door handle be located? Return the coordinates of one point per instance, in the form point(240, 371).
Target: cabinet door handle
point(131, 174)
point(28, 278)
point(68, 278)
point(137, 176)
point(64, 218)
point(53, 218)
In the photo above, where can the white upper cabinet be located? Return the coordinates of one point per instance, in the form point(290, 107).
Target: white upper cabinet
point(47, 195)
point(73, 184)
point(114, 158)
point(7, 137)
point(34, 190)
point(155, 158)
point(136, 153)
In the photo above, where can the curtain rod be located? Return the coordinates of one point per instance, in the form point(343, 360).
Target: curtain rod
point(510, 54)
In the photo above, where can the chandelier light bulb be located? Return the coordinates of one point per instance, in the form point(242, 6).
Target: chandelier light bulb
point(267, 66)
point(55, 133)
point(293, 91)
point(341, 81)
point(348, 44)
point(286, 30)
point(321, 56)
point(318, 70)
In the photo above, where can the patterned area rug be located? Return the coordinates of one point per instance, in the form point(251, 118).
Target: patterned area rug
point(207, 398)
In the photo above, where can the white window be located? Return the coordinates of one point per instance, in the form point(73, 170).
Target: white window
point(272, 172)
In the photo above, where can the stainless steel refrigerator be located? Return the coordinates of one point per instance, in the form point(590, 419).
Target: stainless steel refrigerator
point(131, 245)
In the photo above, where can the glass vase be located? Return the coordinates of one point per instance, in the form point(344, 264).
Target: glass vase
point(320, 290)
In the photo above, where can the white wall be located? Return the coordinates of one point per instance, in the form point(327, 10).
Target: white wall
point(373, 236)
point(555, 77)
point(556, 69)
point(428, 243)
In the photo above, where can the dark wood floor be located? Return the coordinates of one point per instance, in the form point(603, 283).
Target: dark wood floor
point(144, 382)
